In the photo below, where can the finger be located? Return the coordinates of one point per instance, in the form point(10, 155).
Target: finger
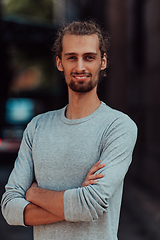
point(96, 167)
point(97, 163)
point(95, 176)
point(86, 183)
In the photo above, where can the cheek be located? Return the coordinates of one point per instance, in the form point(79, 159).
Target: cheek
point(67, 76)
point(96, 70)
point(68, 68)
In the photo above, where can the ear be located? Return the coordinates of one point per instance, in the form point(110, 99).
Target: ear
point(59, 64)
point(104, 62)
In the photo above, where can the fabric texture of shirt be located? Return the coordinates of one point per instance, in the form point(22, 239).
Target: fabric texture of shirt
point(58, 153)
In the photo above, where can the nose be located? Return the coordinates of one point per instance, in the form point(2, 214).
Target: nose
point(80, 66)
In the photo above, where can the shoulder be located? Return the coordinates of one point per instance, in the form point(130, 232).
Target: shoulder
point(113, 114)
point(43, 119)
point(118, 121)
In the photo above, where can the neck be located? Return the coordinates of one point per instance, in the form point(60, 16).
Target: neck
point(82, 104)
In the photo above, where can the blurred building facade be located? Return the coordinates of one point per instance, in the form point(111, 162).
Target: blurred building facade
point(144, 88)
point(134, 79)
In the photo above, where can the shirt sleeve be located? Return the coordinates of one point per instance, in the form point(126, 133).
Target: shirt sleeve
point(13, 200)
point(90, 202)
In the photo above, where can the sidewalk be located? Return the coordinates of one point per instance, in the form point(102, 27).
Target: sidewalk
point(140, 215)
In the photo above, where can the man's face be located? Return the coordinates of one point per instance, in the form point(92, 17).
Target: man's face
point(81, 62)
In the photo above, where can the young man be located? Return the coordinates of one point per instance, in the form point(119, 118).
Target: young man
point(71, 199)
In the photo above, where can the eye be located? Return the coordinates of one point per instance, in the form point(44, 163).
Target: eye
point(71, 58)
point(89, 58)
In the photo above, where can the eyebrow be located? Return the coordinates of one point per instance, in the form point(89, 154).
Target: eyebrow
point(88, 53)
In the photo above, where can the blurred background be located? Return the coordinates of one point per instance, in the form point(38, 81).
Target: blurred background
point(30, 84)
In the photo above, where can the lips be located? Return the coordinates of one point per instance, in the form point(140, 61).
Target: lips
point(81, 77)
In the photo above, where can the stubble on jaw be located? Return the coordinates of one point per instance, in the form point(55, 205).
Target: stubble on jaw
point(82, 86)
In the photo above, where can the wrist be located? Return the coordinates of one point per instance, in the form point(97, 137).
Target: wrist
point(30, 193)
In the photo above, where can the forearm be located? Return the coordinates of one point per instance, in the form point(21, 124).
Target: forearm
point(35, 215)
point(51, 201)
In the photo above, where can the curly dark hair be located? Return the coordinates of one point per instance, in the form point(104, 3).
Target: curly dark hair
point(82, 28)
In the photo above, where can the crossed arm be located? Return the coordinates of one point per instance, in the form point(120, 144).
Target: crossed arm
point(46, 206)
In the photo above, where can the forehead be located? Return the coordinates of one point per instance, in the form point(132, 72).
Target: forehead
point(80, 43)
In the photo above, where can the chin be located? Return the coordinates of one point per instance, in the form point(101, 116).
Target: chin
point(82, 87)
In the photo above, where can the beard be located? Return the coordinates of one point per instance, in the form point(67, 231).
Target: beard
point(82, 86)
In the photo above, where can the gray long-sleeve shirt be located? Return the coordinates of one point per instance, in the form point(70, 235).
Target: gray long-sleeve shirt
point(58, 153)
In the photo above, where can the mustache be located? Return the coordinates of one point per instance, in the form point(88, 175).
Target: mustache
point(80, 74)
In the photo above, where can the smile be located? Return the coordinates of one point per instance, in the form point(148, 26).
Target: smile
point(81, 77)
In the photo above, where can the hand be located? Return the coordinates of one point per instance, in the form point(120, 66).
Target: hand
point(29, 191)
point(91, 177)
point(34, 184)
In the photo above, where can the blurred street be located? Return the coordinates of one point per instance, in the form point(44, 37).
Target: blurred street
point(140, 215)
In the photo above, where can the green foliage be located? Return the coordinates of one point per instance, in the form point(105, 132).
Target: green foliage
point(42, 9)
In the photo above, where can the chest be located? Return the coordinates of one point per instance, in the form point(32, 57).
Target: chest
point(63, 155)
